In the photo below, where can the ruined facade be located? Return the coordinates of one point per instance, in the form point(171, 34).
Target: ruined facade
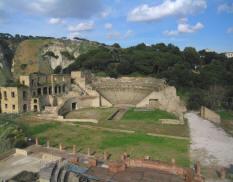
point(61, 93)
point(33, 93)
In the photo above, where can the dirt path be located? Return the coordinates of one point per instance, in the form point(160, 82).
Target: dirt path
point(210, 145)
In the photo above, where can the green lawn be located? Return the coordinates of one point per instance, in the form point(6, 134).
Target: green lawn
point(226, 115)
point(147, 116)
point(137, 145)
point(227, 121)
point(139, 121)
point(91, 113)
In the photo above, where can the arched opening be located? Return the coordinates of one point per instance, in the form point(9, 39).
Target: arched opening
point(45, 91)
point(39, 91)
point(55, 89)
point(24, 95)
point(35, 108)
point(25, 108)
point(74, 106)
point(59, 88)
point(50, 90)
point(64, 88)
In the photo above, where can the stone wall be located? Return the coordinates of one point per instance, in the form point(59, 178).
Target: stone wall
point(172, 169)
point(210, 115)
point(81, 102)
point(21, 152)
point(167, 100)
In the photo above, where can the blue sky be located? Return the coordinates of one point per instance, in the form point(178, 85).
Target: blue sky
point(198, 23)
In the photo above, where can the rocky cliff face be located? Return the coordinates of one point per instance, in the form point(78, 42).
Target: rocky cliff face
point(46, 55)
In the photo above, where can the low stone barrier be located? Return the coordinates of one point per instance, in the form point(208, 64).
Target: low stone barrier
point(171, 121)
point(21, 152)
point(210, 115)
point(61, 118)
point(172, 169)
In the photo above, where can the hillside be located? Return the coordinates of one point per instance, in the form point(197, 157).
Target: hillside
point(201, 78)
point(22, 55)
point(45, 55)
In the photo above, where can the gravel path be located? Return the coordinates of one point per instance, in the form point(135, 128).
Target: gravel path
point(210, 145)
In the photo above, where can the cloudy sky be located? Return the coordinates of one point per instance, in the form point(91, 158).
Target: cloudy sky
point(198, 23)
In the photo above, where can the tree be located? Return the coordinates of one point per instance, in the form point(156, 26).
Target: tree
point(191, 56)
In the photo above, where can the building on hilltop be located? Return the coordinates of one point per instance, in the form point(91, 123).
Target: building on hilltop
point(229, 54)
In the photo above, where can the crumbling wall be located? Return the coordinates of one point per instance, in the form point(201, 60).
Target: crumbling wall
point(81, 102)
point(210, 115)
point(21, 152)
point(172, 169)
point(167, 100)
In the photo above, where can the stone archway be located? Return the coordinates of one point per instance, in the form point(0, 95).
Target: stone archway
point(35, 108)
point(45, 91)
point(25, 108)
point(74, 106)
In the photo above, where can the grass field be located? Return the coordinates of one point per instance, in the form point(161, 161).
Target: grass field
point(147, 116)
point(137, 145)
point(100, 114)
point(226, 115)
point(227, 121)
point(139, 121)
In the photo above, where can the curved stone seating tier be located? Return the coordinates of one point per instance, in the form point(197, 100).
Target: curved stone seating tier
point(127, 90)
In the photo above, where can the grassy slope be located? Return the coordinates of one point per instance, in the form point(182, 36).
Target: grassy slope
point(147, 116)
point(91, 113)
point(140, 121)
point(227, 121)
point(137, 145)
point(226, 115)
point(28, 53)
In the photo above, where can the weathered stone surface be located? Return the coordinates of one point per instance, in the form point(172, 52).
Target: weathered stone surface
point(210, 115)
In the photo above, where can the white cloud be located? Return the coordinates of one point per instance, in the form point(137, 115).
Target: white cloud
point(82, 27)
point(165, 9)
point(230, 30)
point(184, 27)
point(225, 8)
point(57, 8)
point(108, 26)
point(171, 32)
point(55, 21)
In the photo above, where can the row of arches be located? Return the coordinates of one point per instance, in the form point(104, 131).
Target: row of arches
point(58, 89)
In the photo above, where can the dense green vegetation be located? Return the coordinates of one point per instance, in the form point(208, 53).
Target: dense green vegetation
point(227, 121)
point(147, 116)
point(12, 134)
point(205, 78)
point(226, 115)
